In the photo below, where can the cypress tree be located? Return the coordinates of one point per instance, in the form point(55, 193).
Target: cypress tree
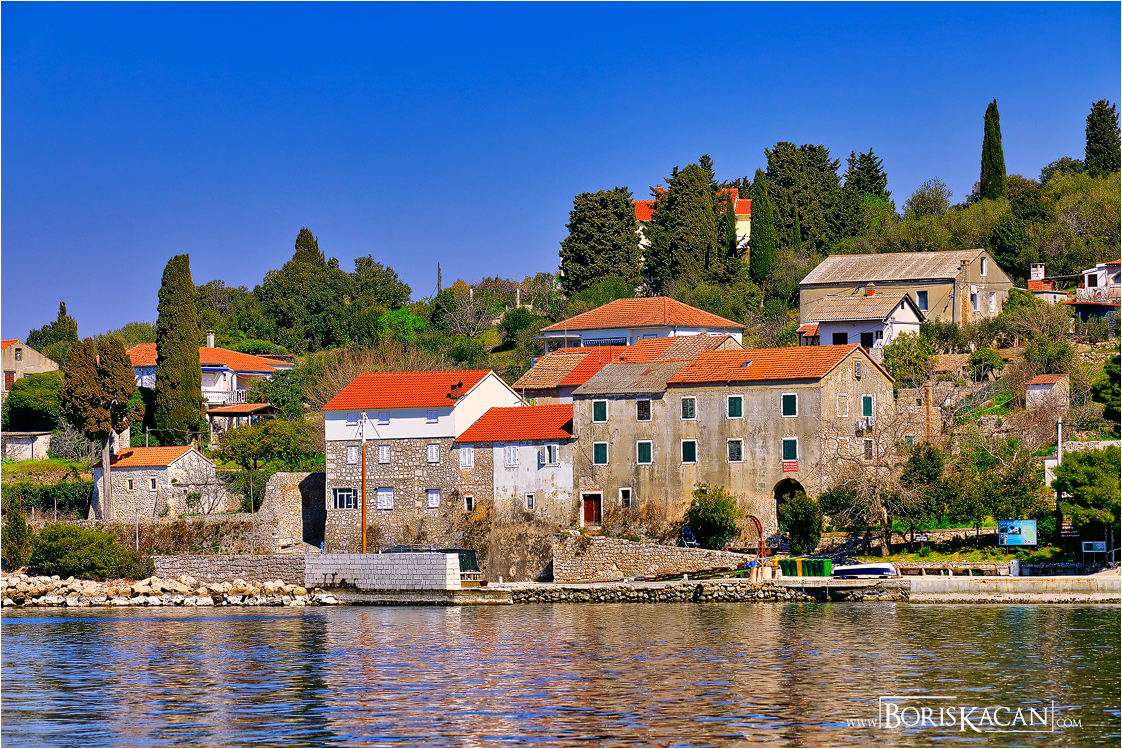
point(693, 225)
point(178, 408)
point(307, 249)
point(992, 184)
point(1103, 152)
point(761, 259)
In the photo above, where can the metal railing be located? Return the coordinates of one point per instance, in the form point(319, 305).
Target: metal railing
point(1097, 294)
point(223, 397)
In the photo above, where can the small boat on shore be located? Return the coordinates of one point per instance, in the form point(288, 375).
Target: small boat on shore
point(870, 569)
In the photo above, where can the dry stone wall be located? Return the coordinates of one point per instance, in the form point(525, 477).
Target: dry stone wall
point(579, 558)
point(209, 569)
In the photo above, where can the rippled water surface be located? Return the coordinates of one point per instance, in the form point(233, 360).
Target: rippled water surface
point(793, 674)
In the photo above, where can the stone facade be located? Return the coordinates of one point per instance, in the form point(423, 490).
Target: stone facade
point(411, 476)
point(578, 558)
point(134, 495)
point(218, 568)
point(294, 506)
point(419, 571)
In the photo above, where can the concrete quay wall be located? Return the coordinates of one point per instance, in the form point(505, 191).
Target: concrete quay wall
point(1068, 589)
point(377, 572)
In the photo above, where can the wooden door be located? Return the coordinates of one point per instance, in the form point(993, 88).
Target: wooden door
point(592, 509)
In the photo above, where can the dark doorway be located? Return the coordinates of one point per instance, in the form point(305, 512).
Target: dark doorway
point(867, 340)
point(591, 509)
point(841, 339)
point(784, 490)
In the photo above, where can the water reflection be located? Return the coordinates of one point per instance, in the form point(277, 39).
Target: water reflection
point(570, 674)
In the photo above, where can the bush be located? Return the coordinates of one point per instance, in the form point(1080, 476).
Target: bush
point(713, 515)
point(70, 550)
point(16, 540)
point(983, 361)
point(73, 497)
point(802, 517)
point(251, 485)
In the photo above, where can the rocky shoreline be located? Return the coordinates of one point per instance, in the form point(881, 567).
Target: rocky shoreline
point(21, 590)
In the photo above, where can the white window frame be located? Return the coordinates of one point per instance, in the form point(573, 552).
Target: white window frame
point(352, 419)
point(469, 502)
point(607, 454)
point(993, 302)
point(693, 408)
point(922, 301)
point(783, 450)
point(530, 501)
point(429, 503)
point(982, 267)
point(642, 442)
point(384, 498)
point(344, 498)
point(384, 417)
point(130, 484)
point(152, 483)
point(650, 411)
point(550, 455)
point(975, 301)
point(728, 404)
point(510, 456)
point(432, 453)
point(353, 455)
point(785, 415)
point(872, 406)
point(682, 450)
point(843, 406)
point(627, 502)
point(431, 417)
point(728, 457)
point(385, 454)
point(857, 370)
point(594, 419)
point(467, 456)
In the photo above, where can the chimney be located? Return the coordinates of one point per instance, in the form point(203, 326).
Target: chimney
point(210, 339)
point(457, 390)
point(1037, 272)
point(870, 289)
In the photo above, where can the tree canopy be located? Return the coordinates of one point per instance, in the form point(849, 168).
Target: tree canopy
point(1103, 151)
point(992, 184)
point(54, 340)
point(603, 240)
point(178, 406)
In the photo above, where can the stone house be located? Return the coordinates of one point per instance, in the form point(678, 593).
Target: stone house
point(531, 458)
point(872, 320)
point(627, 321)
point(19, 360)
point(958, 287)
point(418, 485)
point(1048, 391)
point(25, 445)
point(763, 423)
point(152, 482)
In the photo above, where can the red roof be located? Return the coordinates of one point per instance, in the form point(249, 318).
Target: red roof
point(593, 362)
point(144, 457)
point(644, 312)
point(405, 389)
point(808, 329)
point(522, 424)
point(644, 209)
point(9, 342)
point(239, 409)
point(751, 365)
point(1044, 285)
point(144, 355)
point(1046, 379)
point(743, 207)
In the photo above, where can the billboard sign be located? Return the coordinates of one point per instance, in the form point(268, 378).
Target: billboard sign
point(1016, 533)
point(1094, 547)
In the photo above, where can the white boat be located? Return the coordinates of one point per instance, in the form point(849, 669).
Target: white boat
point(870, 569)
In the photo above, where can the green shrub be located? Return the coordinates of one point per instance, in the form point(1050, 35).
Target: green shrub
point(713, 515)
point(70, 550)
point(924, 552)
point(73, 497)
point(802, 517)
point(16, 540)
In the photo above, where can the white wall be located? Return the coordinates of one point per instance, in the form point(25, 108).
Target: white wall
point(552, 486)
point(490, 392)
point(637, 334)
point(405, 423)
point(145, 377)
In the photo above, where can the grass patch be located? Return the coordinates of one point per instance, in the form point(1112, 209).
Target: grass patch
point(950, 553)
point(11, 469)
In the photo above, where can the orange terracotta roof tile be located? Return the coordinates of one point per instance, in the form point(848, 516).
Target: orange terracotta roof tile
point(236, 409)
point(145, 457)
point(743, 207)
point(644, 210)
point(753, 365)
point(522, 424)
point(549, 371)
point(405, 389)
point(592, 363)
point(808, 329)
point(643, 312)
point(1046, 379)
point(9, 342)
point(144, 355)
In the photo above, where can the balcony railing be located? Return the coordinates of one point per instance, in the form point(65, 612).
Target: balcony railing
point(215, 397)
point(1104, 294)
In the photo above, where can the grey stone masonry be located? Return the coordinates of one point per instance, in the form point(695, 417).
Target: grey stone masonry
point(579, 558)
point(406, 571)
point(208, 569)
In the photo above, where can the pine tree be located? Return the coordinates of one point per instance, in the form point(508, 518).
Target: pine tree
point(307, 249)
point(865, 175)
point(806, 178)
point(1103, 151)
point(95, 397)
point(603, 240)
point(55, 339)
point(992, 184)
point(761, 261)
point(178, 410)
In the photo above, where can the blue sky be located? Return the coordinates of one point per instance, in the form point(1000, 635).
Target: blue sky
point(460, 133)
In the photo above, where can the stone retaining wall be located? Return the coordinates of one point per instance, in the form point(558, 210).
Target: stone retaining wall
point(580, 558)
point(407, 571)
point(207, 569)
point(675, 592)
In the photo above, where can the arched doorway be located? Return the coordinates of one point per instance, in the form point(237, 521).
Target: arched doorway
point(784, 490)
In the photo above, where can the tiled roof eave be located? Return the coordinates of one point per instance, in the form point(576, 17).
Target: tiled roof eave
point(878, 281)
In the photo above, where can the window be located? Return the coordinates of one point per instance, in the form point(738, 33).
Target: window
point(600, 453)
point(843, 405)
point(599, 411)
point(790, 448)
point(385, 498)
point(736, 451)
point(868, 449)
point(384, 417)
point(529, 501)
point(644, 452)
point(19, 354)
point(866, 405)
point(642, 410)
point(625, 497)
point(343, 499)
point(921, 300)
point(689, 451)
point(432, 452)
point(993, 302)
point(130, 485)
point(431, 417)
point(879, 335)
point(550, 455)
point(152, 483)
point(790, 404)
point(689, 408)
point(841, 339)
point(974, 303)
point(510, 456)
point(909, 440)
point(352, 455)
point(352, 419)
point(467, 457)
point(857, 370)
point(736, 406)
point(433, 499)
point(983, 267)
point(867, 339)
point(384, 453)
point(469, 503)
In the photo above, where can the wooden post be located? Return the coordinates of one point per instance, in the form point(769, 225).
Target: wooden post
point(363, 482)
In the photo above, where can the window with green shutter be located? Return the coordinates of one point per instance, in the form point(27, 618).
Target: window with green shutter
point(790, 404)
point(599, 411)
point(736, 451)
point(600, 453)
point(689, 451)
point(790, 448)
point(736, 406)
point(866, 405)
point(643, 452)
point(689, 408)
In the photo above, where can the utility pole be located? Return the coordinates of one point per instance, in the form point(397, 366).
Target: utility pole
point(363, 432)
